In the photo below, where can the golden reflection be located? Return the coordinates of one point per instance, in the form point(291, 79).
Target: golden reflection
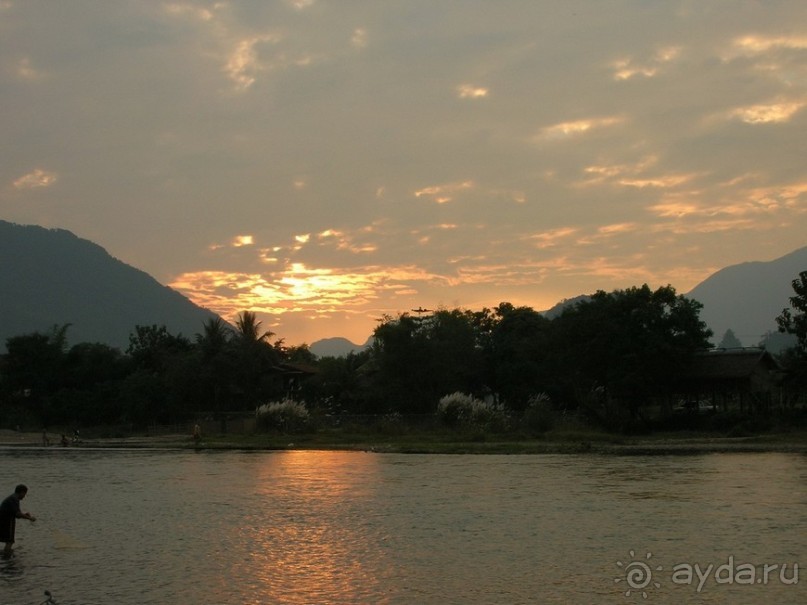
point(311, 541)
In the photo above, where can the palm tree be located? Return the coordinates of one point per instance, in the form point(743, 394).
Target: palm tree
point(216, 372)
point(257, 359)
point(248, 328)
point(216, 335)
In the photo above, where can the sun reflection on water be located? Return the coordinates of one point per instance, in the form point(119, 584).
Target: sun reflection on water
point(308, 537)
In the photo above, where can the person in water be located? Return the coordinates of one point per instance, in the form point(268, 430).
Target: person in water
point(10, 511)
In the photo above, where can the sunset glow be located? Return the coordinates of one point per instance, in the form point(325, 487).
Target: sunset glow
point(327, 164)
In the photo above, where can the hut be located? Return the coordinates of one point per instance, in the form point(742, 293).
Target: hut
point(743, 378)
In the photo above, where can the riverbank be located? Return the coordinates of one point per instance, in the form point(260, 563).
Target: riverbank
point(428, 443)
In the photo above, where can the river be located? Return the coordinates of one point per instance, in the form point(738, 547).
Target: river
point(322, 527)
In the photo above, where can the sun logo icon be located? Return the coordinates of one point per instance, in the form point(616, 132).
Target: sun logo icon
point(638, 575)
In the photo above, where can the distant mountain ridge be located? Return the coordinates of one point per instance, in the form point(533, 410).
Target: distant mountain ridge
point(748, 297)
point(52, 277)
point(337, 347)
point(745, 298)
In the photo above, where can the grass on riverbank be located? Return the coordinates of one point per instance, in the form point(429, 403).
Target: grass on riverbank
point(551, 442)
point(577, 441)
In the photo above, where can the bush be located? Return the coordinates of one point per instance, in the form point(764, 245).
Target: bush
point(539, 417)
point(286, 416)
point(391, 424)
point(459, 409)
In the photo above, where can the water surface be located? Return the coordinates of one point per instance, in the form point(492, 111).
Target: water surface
point(135, 527)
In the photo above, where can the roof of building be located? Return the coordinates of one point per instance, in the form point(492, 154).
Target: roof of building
point(731, 363)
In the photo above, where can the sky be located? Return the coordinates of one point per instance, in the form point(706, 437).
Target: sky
point(327, 163)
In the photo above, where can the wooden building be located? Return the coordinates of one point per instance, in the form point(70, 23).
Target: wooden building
point(746, 378)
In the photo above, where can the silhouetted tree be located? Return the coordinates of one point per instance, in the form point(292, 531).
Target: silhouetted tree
point(520, 351)
point(340, 384)
point(729, 341)
point(256, 377)
point(152, 347)
point(89, 392)
point(417, 360)
point(794, 319)
point(627, 346)
point(161, 384)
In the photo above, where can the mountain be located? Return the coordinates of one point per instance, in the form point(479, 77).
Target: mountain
point(51, 277)
point(337, 347)
point(560, 307)
point(747, 298)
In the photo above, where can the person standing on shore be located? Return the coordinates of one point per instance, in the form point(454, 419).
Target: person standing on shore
point(10, 511)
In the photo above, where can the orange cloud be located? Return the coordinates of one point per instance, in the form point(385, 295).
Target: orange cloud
point(243, 240)
point(625, 69)
point(297, 287)
point(762, 44)
point(467, 91)
point(663, 182)
point(576, 128)
point(444, 193)
point(243, 64)
point(548, 239)
point(35, 179)
point(767, 113)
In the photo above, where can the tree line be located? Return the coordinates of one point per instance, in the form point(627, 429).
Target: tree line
point(608, 356)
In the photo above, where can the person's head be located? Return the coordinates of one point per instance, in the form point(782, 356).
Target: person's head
point(21, 490)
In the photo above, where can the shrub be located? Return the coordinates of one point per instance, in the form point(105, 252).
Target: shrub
point(286, 416)
point(452, 409)
point(459, 409)
point(391, 424)
point(539, 416)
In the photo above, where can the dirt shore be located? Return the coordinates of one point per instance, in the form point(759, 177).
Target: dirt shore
point(638, 446)
point(10, 438)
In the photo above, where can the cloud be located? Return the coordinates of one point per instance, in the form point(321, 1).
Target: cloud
point(778, 202)
point(617, 228)
point(467, 91)
point(321, 291)
point(243, 54)
point(759, 44)
point(243, 240)
point(301, 4)
point(661, 182)
point(26, 71)
point(442, 194)
point(359, 38)
point(549, 239)
point(768, 113)
point(567, 130)
point(243, 64)
point(627, 68)
point(372, 159)
point(36, 179)
point(636, 175)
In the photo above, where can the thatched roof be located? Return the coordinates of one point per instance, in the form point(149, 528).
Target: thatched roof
point(731, 364)
point(289, 368)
